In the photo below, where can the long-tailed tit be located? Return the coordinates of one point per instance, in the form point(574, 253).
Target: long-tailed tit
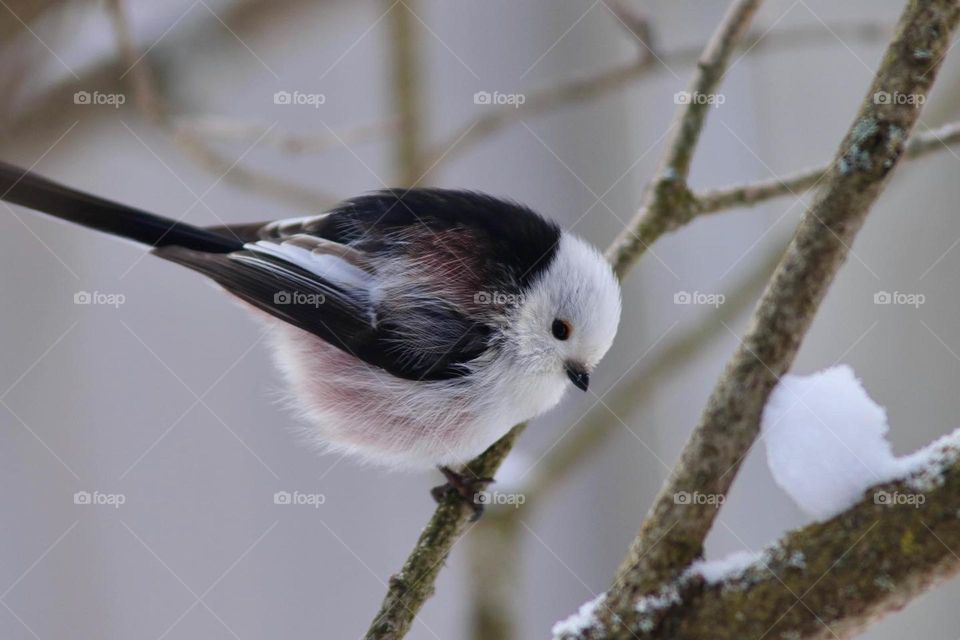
point(414, 327)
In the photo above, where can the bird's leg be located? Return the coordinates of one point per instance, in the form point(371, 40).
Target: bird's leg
point(466, 485)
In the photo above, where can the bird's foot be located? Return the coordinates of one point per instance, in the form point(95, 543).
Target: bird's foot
point(466, 485)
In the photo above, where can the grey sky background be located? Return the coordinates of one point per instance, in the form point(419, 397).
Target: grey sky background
point(170, 398)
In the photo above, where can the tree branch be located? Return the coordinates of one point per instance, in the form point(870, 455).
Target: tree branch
point(747, 195)
point(672, 535)
point(404, 73)
point(826, 580)
point(410, 588)
point(668, 194)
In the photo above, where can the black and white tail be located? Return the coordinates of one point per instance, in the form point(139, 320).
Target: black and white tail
point(22, 187)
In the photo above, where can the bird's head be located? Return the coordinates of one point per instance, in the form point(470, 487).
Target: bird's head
point(569, 314)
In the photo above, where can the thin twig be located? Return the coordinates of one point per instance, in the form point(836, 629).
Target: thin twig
point(668, 193)
point(751, 194)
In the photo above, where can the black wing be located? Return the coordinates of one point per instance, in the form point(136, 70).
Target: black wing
point(342, 315)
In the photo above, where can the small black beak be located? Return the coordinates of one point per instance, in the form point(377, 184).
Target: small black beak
point(578, 375)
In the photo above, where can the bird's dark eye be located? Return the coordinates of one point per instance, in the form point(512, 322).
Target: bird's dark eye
point(560, 329)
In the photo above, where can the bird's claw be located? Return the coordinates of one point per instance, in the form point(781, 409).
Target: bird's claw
point(466, 486)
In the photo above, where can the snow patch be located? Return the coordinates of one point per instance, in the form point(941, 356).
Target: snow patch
point(827, 443)
point(928, 465)
point(582, 619)
point(729, 566)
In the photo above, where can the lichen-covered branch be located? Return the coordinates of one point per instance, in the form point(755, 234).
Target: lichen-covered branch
point(709, 462)
point(826, 580)
point(667, 196)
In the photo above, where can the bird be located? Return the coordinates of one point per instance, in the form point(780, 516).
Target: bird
point(413, 327)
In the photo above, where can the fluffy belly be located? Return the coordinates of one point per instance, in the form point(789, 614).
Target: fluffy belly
point(359, 409)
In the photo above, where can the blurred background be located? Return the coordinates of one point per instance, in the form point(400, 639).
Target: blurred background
point(134, 385)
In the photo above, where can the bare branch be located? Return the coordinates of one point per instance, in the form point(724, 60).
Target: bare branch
point(711, 458)
point(410, 588)
point(404, 74)
point(668, 192)
point(747, 195)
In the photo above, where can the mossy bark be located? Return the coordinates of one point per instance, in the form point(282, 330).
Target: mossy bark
point(829, 579)
point(414, 584)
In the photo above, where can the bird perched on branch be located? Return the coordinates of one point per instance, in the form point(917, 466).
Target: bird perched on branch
point(414, 327)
